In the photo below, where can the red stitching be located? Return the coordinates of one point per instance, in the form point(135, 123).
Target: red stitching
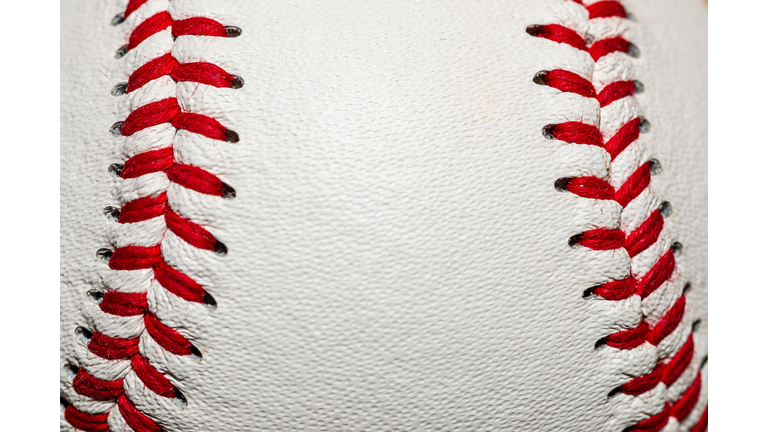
point(134, 257)
point(635, 242)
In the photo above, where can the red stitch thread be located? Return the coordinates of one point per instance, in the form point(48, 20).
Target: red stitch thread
point(135, 418)
point(85, 421)
point(605, 9)
point(154, 24)
point(153, 379)
point(143, 208)
point(639, 240)
point(94, 388)
point(111, 348)
point(679, 362)
point(124, 303)
point(199, 26)
point(133, 257)
point(701, 426)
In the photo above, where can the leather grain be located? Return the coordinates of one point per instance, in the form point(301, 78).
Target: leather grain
point(398, 255)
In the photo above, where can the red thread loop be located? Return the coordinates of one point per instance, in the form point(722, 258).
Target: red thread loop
point(95, 388)
point(135, 258)
point(124, 303)
point(168, 338)
point(569, 82)
point(132, 6)
point(86, 422)
point(191, 232)
point(577, 133)
point(657, 275)
point(198, 26)
point(591, 187)
point(643, 383)
point(204, 73)
point(113, 348)
point(617, 290)
point(628, 339)
point(147, 162)
point(654, 423)
point(135, 419)
point(200, 124)
point(668, 322)
point(151, 114)
point(615, 91)
point(152, 70)
point(143, 208)
point(625, 136)
point(634, 185)
point(154, 24)
point(197, 179)
point(153, 379)
point(604, 47)
point(701, 426)
point(684, 406)
point(560, 34)
point(179, 284)
point(679, 362)
point(606, 9)
point(602, 239)
point(645, 235)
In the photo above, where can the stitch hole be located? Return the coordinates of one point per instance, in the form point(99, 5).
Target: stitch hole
point(665, 209)
point(179, 400)
point(655, 166)
point(227, 191)
point(63, 404)
point(639, 87)
point(233, 31)
point(118, 19)
point(677, 249)
point(695, 326)
point(70, 371)
point(220, 248)
point(645, 125)
point(115, 169)
point(196, 355)
point(120, 89)
point(123, 50)
point(209, 301)
point(589, 294)
point(601, 344)
point(633, 50)
point(231, 136)
point(686, 289)
point(83, 335)
point(561, 184)
point(574, 241)
point(116, 129)
point(534, 29)
point(704, 362)
point(237, 82)
point(104, 255)
point(547, 131)
point(541, 77)
point(112, 213)
point(612, 394)
point(95, 296)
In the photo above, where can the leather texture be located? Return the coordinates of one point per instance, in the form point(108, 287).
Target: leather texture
point(398, 256)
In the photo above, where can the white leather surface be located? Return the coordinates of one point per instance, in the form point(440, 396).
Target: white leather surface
point(398, 255)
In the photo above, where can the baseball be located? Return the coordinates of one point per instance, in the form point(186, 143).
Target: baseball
point(392, 215)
